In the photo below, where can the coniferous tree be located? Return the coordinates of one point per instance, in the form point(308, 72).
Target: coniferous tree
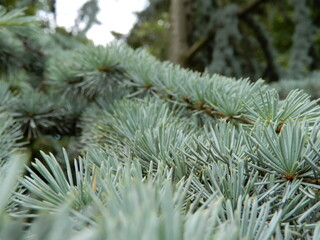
point(160, 152)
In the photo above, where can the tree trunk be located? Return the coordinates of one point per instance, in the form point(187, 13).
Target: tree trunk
point(178, 31)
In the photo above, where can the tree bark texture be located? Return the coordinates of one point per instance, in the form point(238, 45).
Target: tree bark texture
point(178, 31)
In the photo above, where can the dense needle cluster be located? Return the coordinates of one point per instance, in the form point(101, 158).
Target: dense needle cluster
point(160, 152)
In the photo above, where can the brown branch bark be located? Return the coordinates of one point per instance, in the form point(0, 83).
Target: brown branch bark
point(201, 106)
point(32, 49)
point(251, 7)
point(194, 48)
point(214, 114)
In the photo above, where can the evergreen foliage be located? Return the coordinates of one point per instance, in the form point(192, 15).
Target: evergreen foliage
point(152, 150)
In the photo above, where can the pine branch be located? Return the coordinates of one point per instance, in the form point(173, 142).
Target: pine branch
point(201, 107)
point(149, 162)
point(17, 22)
point(214, 114)
point(32, 49)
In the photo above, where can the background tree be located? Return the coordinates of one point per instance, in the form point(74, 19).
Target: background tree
point(178, 31)
point(257, 39)
point(25, 56)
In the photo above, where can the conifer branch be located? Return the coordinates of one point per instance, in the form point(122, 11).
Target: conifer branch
point(147, 161)
point(32, 49)
point(212, 113)
point(201, 107)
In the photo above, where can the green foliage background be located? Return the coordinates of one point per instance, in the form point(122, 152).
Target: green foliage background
point(273, 40)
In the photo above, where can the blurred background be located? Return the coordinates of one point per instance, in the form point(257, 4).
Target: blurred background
point(275, 40)
point(112, 16)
